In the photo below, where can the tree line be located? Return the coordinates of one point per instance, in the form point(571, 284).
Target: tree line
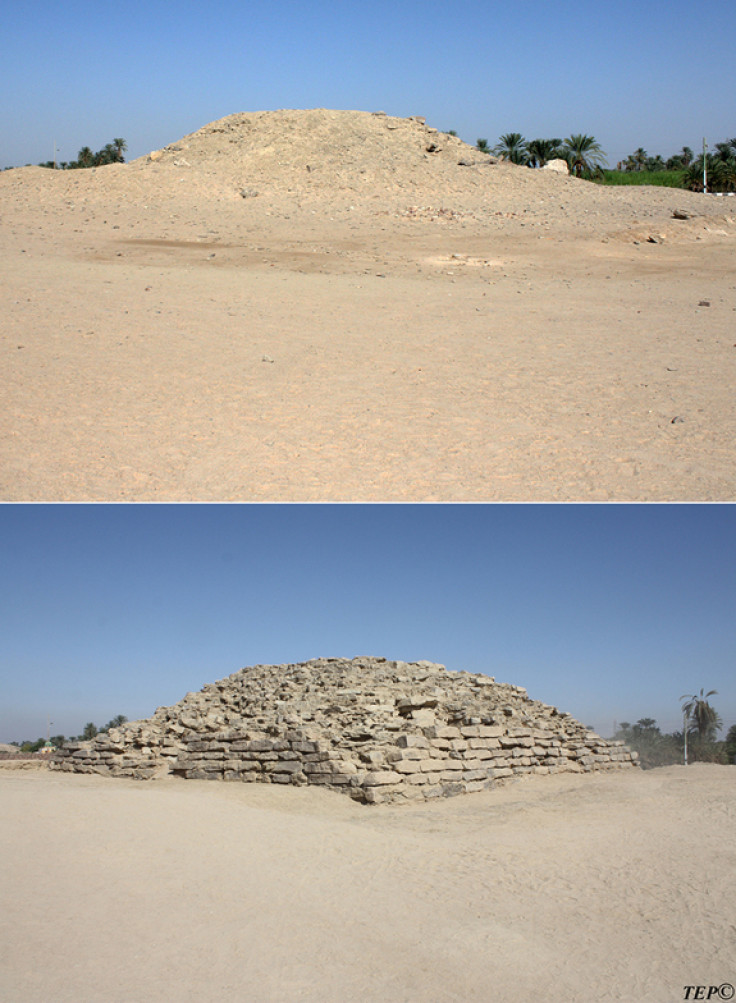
point(89, 732)
point(111, 153)
point(582, 153)
point(586, 159)
point(701, 724)
point(719, 166)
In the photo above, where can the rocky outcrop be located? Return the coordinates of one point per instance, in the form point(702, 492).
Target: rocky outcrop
point(378, 730)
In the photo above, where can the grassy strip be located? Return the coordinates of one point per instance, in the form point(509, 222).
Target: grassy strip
point(665, 179)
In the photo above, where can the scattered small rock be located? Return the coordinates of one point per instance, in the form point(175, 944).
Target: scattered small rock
point(680, 214)
point(266, 358)
point(704, 303)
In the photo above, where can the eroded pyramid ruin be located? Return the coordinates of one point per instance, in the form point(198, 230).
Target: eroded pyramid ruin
point(378, 730)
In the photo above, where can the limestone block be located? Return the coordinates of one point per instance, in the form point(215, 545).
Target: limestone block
point(409, 766)
point(452, 766)
point(473, 786)
point(412, 742)
point(448, 731)
point(475, 775)
point(489, 731)
point(439, 743)
point(286, 766)
point(381, 777)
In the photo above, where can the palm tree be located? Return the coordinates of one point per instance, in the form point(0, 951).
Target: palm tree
point(686, 155)
point(512, 147)
point(482, 145)
point(723, 150)
point(541, 151)
point(706, 721)
point(119, 146)
point(583, 154)
point(85, 157)
point(638, 159)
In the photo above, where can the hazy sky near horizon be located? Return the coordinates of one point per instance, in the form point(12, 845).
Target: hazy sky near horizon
point(630, 73)
point(608, 612)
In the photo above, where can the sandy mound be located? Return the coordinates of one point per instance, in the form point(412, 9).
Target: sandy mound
point(315, 305)
point(364, 162)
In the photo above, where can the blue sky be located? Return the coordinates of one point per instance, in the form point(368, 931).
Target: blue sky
point(609, 612)
point(632, 74)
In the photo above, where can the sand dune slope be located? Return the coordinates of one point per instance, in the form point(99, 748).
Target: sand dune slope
point(615, 887)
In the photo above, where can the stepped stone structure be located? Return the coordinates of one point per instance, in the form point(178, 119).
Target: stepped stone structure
point(377, 730)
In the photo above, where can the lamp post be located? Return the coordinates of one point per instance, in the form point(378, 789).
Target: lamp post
point(705, 167)
point(684, 733)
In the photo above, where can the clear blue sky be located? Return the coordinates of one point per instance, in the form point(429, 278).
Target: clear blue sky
point(654, 74)
point(609, 612)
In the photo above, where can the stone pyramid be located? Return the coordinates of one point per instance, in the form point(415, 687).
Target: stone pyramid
point(377, 730)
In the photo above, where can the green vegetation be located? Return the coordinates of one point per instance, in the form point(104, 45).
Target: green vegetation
point(654, 748)
point(112, 153)
point(512, 146)
point(664, 179)
point(586, 159)
point(683, 170)
point(90, 730)
point(541, 151)
point(702, 723)
point(583, 154)
point(706, 722)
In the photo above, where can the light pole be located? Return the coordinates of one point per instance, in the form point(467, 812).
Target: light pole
point(705, 167)
point(684, 732)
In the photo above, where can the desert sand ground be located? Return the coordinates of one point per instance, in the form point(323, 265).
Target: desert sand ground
point(575, 888)
point(312, 306)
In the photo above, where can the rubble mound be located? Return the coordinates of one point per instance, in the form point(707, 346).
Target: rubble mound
point(320, 148)
point(378, 730)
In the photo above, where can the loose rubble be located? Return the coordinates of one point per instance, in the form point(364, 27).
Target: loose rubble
point(380, 731)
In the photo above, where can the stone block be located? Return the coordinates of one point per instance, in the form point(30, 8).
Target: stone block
point(412, 742)
point(381, 777)
point(449, 731)
point(484, 743)
point(408, 766)
point(475, 775)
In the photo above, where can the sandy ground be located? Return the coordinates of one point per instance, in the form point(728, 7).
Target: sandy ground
point(575, 888)
point(433, 333)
